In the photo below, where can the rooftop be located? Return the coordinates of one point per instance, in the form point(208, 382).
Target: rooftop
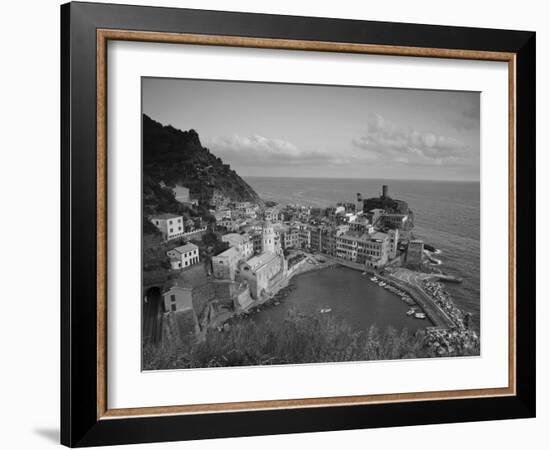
point(234, 239)
point(365, 237)
point(231, 251)
point(281, 228)
point(260, 260)
point(186, 248)
point(165, 216)
point(378, 235)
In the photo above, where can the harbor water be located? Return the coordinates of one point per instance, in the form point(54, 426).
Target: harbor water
point(346, 294)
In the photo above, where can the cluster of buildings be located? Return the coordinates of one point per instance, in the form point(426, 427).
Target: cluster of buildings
point(196, 299)
point(232, 216)
point(371, 232)
point(255, 258)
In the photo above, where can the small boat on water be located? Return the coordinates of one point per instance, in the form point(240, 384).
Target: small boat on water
point(364, 273)
point(325, 310)
point(374, 279)
point(420, 315)
point(411, 311)
point(382, 284)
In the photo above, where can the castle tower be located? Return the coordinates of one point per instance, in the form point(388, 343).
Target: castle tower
point(268, 237)
point(385, 191)
point(359, 203)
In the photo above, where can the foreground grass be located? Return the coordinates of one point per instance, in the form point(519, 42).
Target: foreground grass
point(299, 339)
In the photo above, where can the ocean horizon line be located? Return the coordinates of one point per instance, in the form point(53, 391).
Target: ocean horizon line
point(361, 179)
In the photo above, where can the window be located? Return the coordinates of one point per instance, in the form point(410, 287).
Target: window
point(173, 307)
point(173, 298)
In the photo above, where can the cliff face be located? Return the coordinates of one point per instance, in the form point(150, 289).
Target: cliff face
point(178, 157)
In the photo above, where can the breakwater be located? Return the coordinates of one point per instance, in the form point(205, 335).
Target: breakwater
point(434, 313)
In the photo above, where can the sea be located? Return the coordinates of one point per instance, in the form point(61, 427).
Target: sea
point(446, 215)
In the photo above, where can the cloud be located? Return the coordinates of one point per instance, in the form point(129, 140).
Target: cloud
point(382, 144)
point(386, 142)
point(259, 150)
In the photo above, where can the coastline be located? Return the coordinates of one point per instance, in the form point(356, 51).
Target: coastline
point(446, 218)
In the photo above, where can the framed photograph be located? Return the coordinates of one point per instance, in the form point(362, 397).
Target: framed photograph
point(276, 224)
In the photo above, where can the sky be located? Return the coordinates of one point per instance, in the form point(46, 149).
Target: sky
point(294, 130)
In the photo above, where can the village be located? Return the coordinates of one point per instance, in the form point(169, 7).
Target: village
point(264, 246)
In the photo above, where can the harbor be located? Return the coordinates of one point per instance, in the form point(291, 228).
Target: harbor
point(344, 294)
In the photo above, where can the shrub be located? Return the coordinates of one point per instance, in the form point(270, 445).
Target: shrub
point(299, 339)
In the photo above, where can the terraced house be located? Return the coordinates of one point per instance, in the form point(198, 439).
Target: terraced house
point(369, 249)
point(183, 256)
point(170, 225)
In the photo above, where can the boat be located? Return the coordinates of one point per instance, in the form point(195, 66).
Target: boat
point(411, 311)
point(374, 279)
point(325, 310)
point(420, 315)
point(364, 273)
point(382, 284)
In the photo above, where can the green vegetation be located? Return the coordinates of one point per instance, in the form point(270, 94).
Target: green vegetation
point(213, 244)
point(299, 339)
point(178, 157)
point(158, 200)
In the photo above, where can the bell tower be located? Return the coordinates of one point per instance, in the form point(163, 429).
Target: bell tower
point(268, 237)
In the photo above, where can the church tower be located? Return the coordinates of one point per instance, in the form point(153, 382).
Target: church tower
point(268, 237)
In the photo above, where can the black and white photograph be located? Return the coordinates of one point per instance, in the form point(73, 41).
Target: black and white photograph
point(292, 223)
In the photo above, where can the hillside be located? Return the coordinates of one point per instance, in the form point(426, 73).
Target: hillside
point(178, 157)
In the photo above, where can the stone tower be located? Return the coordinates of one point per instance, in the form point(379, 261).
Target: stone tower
point(268, 237)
